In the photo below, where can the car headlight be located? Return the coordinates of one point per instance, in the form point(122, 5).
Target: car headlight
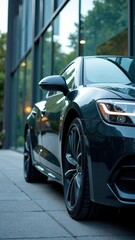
point(117, 111)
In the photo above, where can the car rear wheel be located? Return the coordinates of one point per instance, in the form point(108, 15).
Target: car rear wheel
point(31, 174)
point(76, 180)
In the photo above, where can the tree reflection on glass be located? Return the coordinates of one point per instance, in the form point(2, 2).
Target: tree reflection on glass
point(65, 42)
point(104, 27)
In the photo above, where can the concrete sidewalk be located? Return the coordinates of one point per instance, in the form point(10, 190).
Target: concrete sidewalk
point(37, 211)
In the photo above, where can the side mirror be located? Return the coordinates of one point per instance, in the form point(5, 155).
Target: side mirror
point(54, 83)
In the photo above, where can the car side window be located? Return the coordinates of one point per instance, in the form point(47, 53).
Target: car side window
point(69, 76)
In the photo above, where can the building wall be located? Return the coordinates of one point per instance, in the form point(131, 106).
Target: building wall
point(44, 36)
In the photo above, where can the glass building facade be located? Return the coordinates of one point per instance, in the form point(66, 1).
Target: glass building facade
point(45, 35)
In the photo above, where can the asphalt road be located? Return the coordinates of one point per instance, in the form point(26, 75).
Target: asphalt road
point(37, 211)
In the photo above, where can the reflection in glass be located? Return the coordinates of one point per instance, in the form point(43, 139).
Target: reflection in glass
point(69, 76)
point(57, 3)
point(46, 66)
point(46, 53)
point(20, 115)
point(22, 30)
point(28, 85)
point(104, 27)
point(29, 26)
point(64, 37)
point(21, 101)
point(16, 40)
point(37, 17)
point(47, 10)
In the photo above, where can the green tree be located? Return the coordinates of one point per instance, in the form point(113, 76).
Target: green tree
point(2, 72)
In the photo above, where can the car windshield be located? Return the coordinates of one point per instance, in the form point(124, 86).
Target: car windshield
point(109, 70)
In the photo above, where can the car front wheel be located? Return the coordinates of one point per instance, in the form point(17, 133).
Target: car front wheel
point(75, 171)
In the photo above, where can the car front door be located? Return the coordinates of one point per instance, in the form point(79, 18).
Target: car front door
point(50, 122)
point(36, 139)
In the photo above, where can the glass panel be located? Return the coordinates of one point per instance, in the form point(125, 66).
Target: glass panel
point(21, 101)
point(17, 37)
point(46, 56)
point(37, 71)
point(20, 114)
point(65, 36)
point(46, 52)
point(104, 27)
point(38, 16)
point(57, 3)
point(29, 25)
point(28, 86)
point(23, 30)
point(47, 8)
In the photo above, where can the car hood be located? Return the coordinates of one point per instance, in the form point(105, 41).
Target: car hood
point(121, 90)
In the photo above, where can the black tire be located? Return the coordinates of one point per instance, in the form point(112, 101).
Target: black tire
point(75, 171)
point(31, 174)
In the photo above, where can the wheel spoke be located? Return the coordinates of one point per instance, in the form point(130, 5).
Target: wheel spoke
point(77, 184)
point(74, 189)
point(79, 156)
point(26, 164)
point(78, 146)
point(73, 141)
point(70, 193)
point(70, 173)
point(71, 160)
point(74, 144)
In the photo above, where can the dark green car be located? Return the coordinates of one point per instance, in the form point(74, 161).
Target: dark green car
point(82, 134)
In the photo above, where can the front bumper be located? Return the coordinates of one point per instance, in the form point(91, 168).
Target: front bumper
point(111, 164)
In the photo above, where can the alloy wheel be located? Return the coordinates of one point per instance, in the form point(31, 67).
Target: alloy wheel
point(73, 166)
